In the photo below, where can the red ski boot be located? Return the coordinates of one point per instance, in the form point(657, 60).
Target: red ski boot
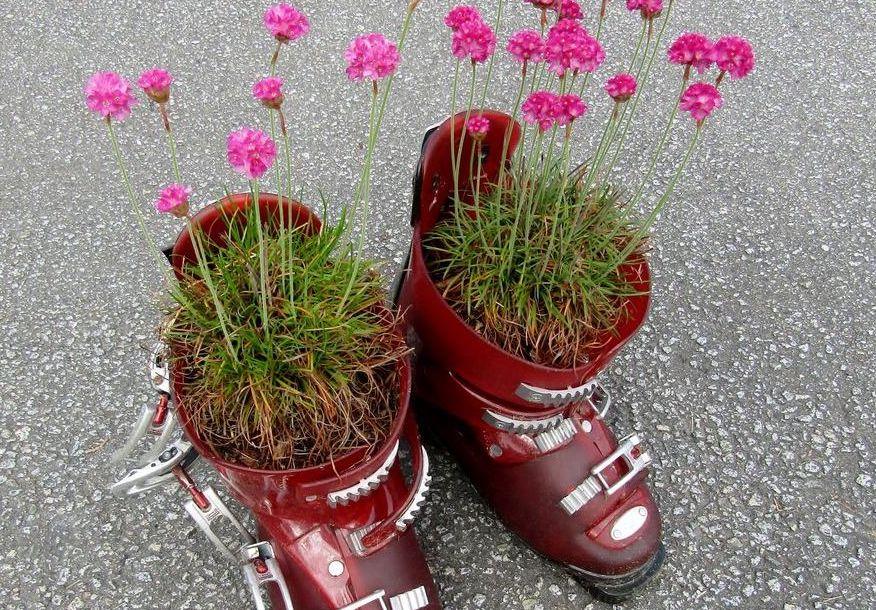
point(532, 438)
point(334, 536)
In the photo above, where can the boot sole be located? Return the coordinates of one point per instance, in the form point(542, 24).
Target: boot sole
point(617, 589)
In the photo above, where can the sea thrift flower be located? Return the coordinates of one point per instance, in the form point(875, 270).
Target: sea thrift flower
point(286, 23)
point(461, 14)
point(155, 83)
point(540, 108)
point(174, 200)
point(734, 56)
point(478, 125)
point(570, 47)
point(648, 8)
point(691, 49)
point(621, 87)
point(700, 100)
point(526, 46)
point(475, 40)
point(251, 152)
point(371, 56)
point(569, 107)
point(109, 95)
point(269, 91)
point(570, 9)
point(543, 3)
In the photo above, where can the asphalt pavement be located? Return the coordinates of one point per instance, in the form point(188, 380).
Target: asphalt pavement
point(753, 378)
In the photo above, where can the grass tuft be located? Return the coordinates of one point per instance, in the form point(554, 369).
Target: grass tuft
point(317, 380)
point(534, 266)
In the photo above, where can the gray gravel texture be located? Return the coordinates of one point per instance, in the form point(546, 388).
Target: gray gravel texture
point(753, 377)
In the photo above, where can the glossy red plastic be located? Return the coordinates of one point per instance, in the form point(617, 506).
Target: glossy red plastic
point(291, 506)
point(460, 375)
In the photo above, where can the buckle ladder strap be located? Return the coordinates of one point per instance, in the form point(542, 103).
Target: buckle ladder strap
point(409, 600)
point(260, 568)
point(215, 510)
point(372, 537)
point(521, 426)
point(596, 482)
point(157, 472)
point(366, 485)
point(591, 391)
point(547, 441)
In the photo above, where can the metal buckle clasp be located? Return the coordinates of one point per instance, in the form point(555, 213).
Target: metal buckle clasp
point(635, 463)
point(596, 482)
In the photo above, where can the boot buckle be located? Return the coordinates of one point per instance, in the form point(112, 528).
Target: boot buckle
point(596, 482)
point(409, 600)
point(592, 392)
point(260, 568)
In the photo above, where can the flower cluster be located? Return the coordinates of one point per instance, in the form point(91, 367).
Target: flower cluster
point(692, 49)
point(473, 39)
point(156, 83)
point(700, 100)
point(570, 9)
point(526, 46)
point(650, 9)
point(461, 14)
point(621, 87)
point(372, 57)
point(109, 95)
point(269, 91)
point(286, 23)
point(733, 55)
point(547, 109)
point(570, 47)
point(478, 125)
point(174, 200)
point(250, 152)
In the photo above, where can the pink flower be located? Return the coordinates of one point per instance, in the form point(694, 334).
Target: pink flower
point(251, 152)
point(526, 46)
point(109, 95)
point(269, 91)
point(478, 125)
point(734, 55)
point(691, 49)
point(569, 107)
point(155, 83)
point(474, 39)
point(541, 108)
point(461, 14)
point(648, 8)
point(174, 200)
point(371, 56)
point(543, 3)
point(700, 100)
point(570, 47)
point(286, 23)
point(621, 87)
point(570, 9)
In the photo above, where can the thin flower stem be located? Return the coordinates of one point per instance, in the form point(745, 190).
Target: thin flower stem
point(171, 142)
point(204, 267)
point(132, 198)
point(661, 146)
point(256, 202)
point(279, 194)
point(493, 56)
point(467, 116)
point(453, 94)
point(658, 208)
point(641, 82)
point(275, 57)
